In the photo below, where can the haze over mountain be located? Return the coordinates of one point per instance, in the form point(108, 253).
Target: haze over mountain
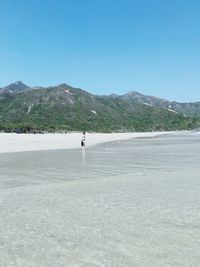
point(64, 107)
point(15, 87)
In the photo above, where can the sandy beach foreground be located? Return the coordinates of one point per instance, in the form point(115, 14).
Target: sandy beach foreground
point(11, 142)
point(125, 203)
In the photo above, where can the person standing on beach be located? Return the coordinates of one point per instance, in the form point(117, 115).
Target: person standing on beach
point(83, 139)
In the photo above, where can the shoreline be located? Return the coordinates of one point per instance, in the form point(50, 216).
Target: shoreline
point(12, 142)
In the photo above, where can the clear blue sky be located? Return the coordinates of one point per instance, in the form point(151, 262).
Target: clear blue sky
point(103, 46)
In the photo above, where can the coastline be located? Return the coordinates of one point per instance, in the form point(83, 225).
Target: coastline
point(12, 142)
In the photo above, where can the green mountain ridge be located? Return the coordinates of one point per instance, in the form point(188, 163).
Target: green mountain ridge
point(64, 108)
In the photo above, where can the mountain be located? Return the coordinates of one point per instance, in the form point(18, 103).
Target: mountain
point(15, 87)
point(66, 108)
point(187, 109)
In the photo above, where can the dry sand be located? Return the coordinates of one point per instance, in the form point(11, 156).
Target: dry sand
point(11, 142)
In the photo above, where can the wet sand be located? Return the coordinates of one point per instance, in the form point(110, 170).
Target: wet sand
point(124, 203)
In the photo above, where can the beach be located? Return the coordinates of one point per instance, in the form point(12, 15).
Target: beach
point(131, 202)
point(12, 142)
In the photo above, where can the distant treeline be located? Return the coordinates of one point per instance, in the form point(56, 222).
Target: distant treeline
point(142, 126)
point(31, 129)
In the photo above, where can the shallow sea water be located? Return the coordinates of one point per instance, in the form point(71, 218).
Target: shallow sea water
point(124, 203)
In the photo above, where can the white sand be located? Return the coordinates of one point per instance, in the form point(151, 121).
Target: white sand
point(11, 142)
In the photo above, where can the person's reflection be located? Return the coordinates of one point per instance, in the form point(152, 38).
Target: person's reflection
point(83, 156)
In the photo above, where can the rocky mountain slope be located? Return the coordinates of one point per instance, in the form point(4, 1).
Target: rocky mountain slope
point(187, 109)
